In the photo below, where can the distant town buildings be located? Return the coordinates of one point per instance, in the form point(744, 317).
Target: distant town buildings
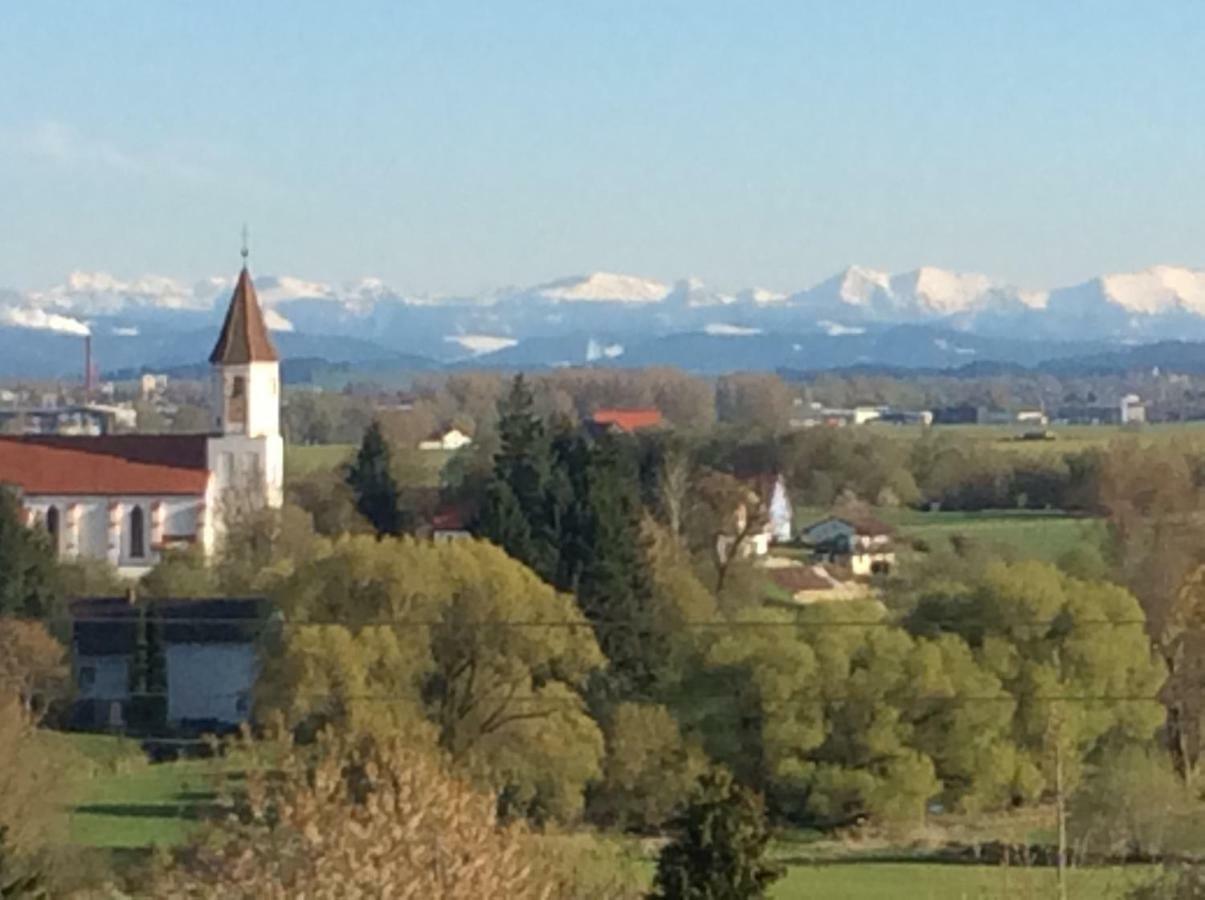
point(151, 385)
point(811, 415)
point(1133, 410)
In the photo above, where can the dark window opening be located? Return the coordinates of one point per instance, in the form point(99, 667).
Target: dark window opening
point(137, 534)
point(238, 387)
point(52, 527)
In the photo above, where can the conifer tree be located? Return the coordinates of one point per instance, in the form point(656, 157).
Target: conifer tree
point(615, 583)
point(370, 476)
point(516, 516)
point(720, 851)
point(28, 572)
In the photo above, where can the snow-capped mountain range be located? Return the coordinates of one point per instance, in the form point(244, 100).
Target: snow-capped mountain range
point(602, 317)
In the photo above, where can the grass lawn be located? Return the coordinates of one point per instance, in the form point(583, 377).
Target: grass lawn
point(1067, 438)
point(301, 459)
point(123, 803)
point(120, 800)
point(1028, 535)
point(412, 466)
point(932, 881)
point(601, 861)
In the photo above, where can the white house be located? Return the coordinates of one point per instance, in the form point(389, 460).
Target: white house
point(866, 545)
point(126, 498)
point(452, 439)
point(205, 650)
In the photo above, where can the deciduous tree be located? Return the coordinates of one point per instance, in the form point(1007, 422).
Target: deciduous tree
point(362, 818)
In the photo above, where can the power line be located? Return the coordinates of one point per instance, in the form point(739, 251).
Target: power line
point(720, 624)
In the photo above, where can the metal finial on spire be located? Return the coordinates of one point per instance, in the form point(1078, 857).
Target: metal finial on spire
point(245, 251)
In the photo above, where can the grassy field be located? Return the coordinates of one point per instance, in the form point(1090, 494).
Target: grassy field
point(1067, 438)
point(120, 800)
point(124, 803)
point(930, 881)
point(303, 459)
point(1027, 535)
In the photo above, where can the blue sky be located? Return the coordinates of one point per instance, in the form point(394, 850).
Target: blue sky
point(450, 146)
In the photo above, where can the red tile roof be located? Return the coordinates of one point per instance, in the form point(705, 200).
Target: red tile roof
point(244, 337)
point(627, 419)
point(39, 467)
point(450, 518)
point(182, 451)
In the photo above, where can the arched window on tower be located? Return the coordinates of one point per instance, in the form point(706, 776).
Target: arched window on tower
point(52, 527)
point(137, 533)
point(238, 387)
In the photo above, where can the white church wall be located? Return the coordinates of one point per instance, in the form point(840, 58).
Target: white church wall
point(98, 527)
point(92, 528)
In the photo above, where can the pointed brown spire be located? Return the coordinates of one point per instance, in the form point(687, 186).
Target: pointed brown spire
point(244, 338)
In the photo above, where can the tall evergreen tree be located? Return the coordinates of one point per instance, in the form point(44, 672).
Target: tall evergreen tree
point(568, 507)
point(370, 476)
point(720, 852)
point(614, 586)
point(148, 670)
point(516, 513)
point(28, 571)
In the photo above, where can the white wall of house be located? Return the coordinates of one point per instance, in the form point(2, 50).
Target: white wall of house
point(101, 527)
point(452, 439)
point(752, 545)
point(210, 682)
point(871, 563)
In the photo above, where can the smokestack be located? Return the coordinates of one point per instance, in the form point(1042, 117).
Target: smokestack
point(88, 371)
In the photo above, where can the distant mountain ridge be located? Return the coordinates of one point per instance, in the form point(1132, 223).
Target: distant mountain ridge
point(858, 316)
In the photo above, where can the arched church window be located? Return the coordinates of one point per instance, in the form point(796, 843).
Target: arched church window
point(238, 386)
point(52, 527)
point(137, 533)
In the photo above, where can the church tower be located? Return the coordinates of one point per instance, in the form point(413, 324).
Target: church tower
point(246, 452)
point(246, 367)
